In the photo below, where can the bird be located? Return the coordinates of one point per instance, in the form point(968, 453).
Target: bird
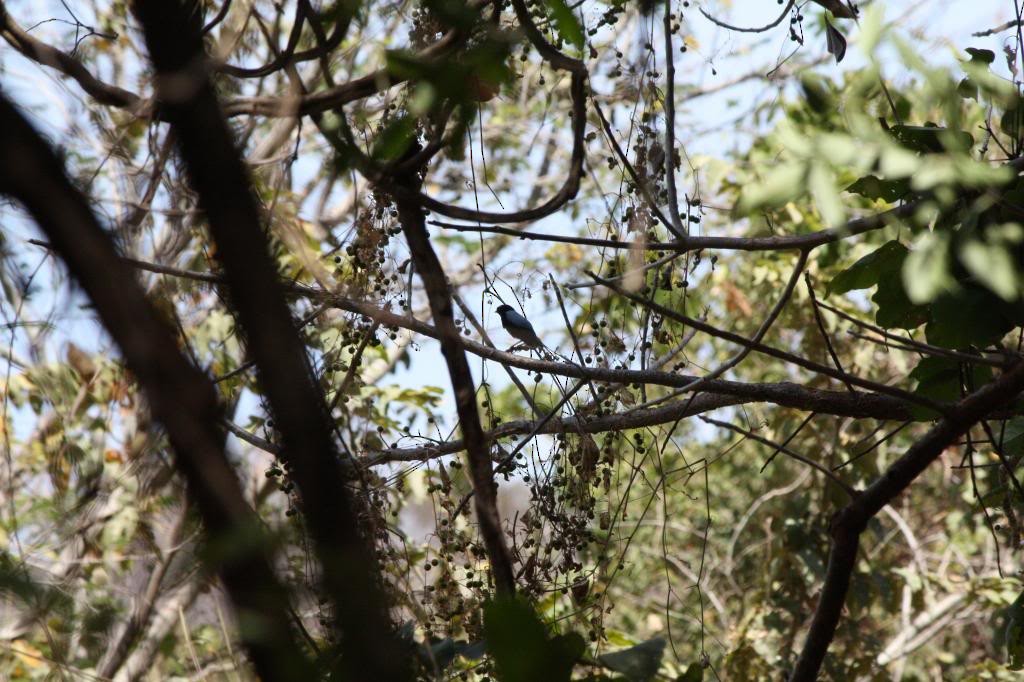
point(518, 326)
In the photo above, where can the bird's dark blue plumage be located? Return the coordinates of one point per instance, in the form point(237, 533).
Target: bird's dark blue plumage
point(518, 326)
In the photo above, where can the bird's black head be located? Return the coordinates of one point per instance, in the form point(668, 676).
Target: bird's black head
point(503, 308)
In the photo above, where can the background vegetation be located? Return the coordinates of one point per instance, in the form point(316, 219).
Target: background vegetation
point(260, 419)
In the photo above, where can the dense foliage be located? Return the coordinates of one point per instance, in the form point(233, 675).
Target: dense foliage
point(776, 428)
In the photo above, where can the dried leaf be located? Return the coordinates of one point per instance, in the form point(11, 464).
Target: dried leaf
point(836, 42)
point(736, 300)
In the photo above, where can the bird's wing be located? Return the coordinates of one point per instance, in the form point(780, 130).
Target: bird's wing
point(516, 320)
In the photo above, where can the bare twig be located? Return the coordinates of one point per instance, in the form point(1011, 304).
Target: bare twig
point(824, 332)
point(759, 29)
point(780, 447)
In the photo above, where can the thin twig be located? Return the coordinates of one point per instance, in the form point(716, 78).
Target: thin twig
point(759, 29)
point(824, 332)
point(781, 447)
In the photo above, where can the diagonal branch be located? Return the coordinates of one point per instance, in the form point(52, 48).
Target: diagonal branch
point(216, 171)
point(410, 216)
point(851, 520)
point(47, 55)
point(180, 396)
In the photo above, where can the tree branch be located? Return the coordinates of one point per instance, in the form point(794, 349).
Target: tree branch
point(852, 519)
point(758, 29)
point(334, 97)
point(181, 398)
point(47, 55)
point(568, 191)
point(772, 352)
point(348, 571)
point(410, 216)
point(998, 29)
point(881, 402)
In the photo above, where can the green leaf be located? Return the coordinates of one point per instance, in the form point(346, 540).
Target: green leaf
point(423, 99)
point(895, 309)
point(566, 23)
point(968, 317)
point(817, 94)
point(783, 183)
point(1012, 121)
point(822, 183)
point(872, 27)
point(971, 173)
point(638, 663)
point(867, 271)
point(1011, 205)
point(926, 270)
point(993, 266)
point(404, 64)
point(395, 139)
point(931, 139)
point(941, 379)
point(518, 642)
point(967, 89)
point(1012, 436)
point(694, 673)
point(873, 187)
point(898, 162)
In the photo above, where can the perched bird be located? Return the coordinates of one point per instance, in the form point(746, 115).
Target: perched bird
point(518, 326)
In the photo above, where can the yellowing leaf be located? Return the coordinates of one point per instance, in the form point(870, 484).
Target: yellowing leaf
point(736, 300)
point(28, 655)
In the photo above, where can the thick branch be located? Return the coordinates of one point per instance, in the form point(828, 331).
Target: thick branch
point(850, 521)
point(632, 419)
point(219, 177)
point(181, 398)
point(411, 217)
